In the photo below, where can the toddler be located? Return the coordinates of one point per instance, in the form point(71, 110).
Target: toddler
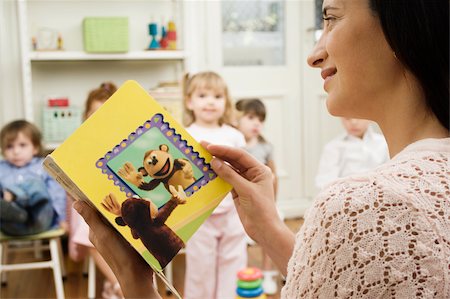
point(31, 201)
point(358, 150)
point(250, 121)
point(218, 250)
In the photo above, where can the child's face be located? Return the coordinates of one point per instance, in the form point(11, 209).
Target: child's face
point(94, 107)
point(21, 151)
point(250, 125)
point(208, 105)
point(355, 127)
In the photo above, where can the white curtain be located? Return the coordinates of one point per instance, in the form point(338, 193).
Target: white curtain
point(11, 99)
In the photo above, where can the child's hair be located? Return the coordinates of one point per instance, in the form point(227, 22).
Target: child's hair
point(11, 130)
point(100, 94)
point(251, 106)
point(206, 80)
point(254, 107)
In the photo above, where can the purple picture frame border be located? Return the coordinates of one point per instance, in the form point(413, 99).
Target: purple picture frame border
point(157, 121)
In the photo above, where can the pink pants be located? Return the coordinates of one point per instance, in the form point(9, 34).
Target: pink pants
point(214, 255)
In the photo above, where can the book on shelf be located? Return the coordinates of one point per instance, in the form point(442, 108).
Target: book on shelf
point(145, 174)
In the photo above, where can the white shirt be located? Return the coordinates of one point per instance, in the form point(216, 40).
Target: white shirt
point(225, 135)
point(347, 155)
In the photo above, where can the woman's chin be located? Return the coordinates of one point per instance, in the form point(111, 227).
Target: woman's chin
point(333, 108)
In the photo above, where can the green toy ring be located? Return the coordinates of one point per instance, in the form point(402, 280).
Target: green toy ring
point(249, 284)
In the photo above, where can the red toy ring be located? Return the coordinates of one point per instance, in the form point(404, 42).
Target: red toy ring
point(250, 274)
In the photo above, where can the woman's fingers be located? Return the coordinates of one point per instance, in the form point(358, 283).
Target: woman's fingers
point(229, 174)
point(238, 158)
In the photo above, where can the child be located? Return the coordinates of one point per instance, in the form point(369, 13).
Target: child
point(218, 250)
point(31, 201)
point(250, 121)
point(358, 150)
point(79, 244)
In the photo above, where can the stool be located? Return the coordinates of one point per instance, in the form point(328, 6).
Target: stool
point(56, 263)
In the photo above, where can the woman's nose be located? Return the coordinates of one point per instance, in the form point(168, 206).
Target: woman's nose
point(318, 53)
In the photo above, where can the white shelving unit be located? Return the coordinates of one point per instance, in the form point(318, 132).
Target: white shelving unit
point(73, 72)
point(80, 55)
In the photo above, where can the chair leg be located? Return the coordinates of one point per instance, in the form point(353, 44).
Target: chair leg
point(56, 266)
point(4, 261)
point(37, 244)
point(169, 275)
point(61, 259)
point(91, 278)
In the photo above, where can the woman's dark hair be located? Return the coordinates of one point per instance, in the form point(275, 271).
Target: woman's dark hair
point(418, 33)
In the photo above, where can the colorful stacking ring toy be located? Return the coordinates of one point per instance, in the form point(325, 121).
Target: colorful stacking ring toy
point(250, 284)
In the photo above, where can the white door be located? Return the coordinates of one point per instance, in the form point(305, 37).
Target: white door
point(278, 80)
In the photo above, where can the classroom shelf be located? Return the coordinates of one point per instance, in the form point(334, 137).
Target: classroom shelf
point(80, 55)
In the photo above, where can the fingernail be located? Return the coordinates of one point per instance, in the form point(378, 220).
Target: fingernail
point(216, 163)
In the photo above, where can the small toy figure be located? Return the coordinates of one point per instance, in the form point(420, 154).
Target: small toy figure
point(60, 42)
point(172, 36)
point(249, 284)
point(153, 31)
point(34, 43)
point(163, 42)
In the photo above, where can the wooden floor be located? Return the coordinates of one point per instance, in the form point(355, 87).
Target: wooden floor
point(39, 283)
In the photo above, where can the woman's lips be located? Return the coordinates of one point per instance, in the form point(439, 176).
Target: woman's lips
point(328, 72)
point(327, 75)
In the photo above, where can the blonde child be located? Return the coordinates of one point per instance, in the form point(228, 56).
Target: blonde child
point(30, 200)
point(250, 121)
point(358, 150)
point(79, 244)
point(218, 250)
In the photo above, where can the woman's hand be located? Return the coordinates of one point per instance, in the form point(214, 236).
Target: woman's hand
point(133, 273)
point(255, 201)
point(253, 192)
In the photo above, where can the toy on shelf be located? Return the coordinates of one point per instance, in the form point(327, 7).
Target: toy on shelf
point(163, 42)
point(59, 119)
point(34, 43)
point(153, 31)
point(60, 42)
point(171, 36)
point(249, 284)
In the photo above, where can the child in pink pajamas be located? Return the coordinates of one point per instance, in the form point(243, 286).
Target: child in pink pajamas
point(218, 250)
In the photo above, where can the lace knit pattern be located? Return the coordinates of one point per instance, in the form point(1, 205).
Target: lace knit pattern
point(381, 235)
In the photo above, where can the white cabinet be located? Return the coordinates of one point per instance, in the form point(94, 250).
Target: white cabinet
point(73, 72)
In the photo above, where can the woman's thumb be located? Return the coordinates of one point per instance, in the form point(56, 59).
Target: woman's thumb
point(228, 174)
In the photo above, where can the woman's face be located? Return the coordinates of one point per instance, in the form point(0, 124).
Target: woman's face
point(357, 64)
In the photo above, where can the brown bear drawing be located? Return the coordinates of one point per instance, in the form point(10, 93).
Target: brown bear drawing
point(148, 224)
point(162, 167)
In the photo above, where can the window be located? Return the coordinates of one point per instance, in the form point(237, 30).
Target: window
point(253, 33)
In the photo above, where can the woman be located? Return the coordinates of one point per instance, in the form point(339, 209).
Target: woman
point(383, 234)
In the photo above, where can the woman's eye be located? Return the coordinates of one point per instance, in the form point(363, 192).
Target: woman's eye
point(328, 20)
point(202, 95)
point(219, 96)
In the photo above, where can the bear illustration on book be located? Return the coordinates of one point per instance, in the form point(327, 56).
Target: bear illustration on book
point(162, 167)
point(148, 224)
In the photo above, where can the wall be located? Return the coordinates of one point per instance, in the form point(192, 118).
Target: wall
point(298, 121)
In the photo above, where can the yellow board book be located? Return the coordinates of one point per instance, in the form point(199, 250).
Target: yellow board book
point(142, 171)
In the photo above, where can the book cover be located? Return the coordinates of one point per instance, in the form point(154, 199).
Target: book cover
point(142, 171)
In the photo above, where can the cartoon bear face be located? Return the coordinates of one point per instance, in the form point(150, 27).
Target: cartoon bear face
point(158, 163)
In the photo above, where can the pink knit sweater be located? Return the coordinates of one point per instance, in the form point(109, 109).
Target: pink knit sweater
point(385, 234)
